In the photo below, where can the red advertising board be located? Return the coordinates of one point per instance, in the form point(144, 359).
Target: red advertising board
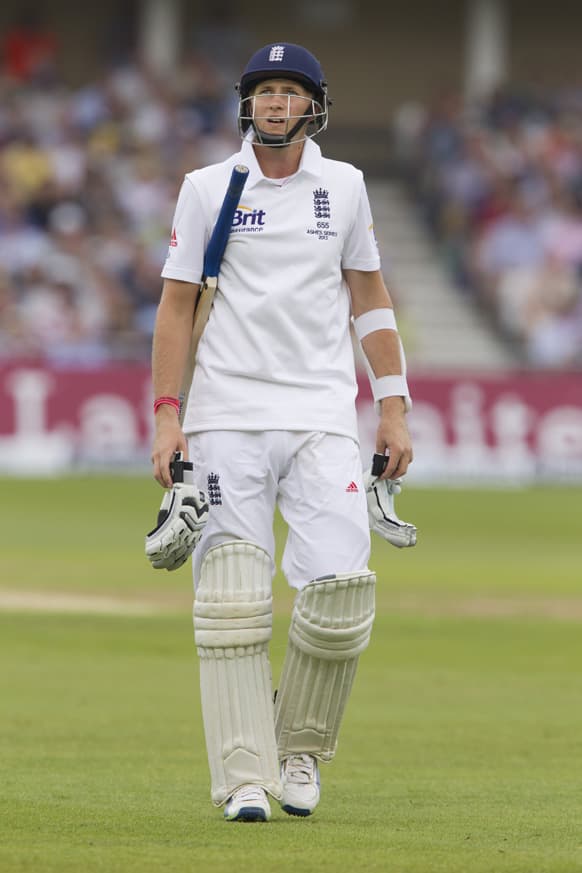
point(520, 426)
point(515, 426)
point(55, 420)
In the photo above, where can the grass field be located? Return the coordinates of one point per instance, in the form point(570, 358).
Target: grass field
point(461, 751)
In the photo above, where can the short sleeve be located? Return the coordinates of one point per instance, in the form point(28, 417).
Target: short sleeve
point(361, 249)
point(185, 258)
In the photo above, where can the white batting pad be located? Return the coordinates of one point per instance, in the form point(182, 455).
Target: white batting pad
point(330, 627)
point(232, 629)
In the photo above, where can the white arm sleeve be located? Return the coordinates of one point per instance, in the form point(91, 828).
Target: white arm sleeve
point(186, 250)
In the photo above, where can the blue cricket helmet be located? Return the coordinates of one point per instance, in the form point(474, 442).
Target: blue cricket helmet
point(284, 60)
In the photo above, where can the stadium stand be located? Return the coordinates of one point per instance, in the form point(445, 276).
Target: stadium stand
point(499, 185)
point(442, 331)
point(88, 182)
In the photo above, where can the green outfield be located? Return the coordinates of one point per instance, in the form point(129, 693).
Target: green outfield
point(461, 751)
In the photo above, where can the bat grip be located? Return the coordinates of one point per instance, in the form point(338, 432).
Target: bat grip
point(222, 228)
point(177, 467)
point(379, 463)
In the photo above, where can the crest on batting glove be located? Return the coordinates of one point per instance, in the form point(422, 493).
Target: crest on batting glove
point(181, 520)
point(382, 517)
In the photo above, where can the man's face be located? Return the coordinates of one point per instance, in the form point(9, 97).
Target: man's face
point(277, 105)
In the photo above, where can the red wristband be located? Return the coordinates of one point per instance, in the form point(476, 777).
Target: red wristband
point(169, 401)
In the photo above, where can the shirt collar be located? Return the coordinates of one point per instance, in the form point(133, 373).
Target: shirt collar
point(310, 162)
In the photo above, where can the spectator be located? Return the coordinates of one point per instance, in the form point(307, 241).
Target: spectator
point(500, 185)
point(88, 181)
point(553, 334)
point(510, 247)
point(29, 49)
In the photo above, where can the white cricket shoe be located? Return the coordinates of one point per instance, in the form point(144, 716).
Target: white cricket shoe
point(300, 784)
point(248, 803)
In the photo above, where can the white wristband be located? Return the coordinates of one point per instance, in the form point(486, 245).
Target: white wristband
point(389, 386)
point(374, 319)
point(383, 386)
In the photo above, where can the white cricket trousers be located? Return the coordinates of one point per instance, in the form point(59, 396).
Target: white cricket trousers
point(314, 478)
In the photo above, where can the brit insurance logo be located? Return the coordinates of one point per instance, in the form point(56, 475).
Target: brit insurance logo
point(247, 220)
point(322, 215)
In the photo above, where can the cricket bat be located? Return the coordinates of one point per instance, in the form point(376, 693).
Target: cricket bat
point(212, 260)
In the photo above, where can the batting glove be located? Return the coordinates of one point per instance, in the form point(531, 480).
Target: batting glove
point(382, 517)
point(181, 520)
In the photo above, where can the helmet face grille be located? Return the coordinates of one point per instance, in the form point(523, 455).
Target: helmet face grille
point(296, 128)
point(283, 61)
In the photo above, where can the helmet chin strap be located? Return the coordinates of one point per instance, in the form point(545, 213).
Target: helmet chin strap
point(270, 139)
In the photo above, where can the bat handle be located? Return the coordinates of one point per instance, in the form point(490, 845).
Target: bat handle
point(379, 463)
point(178, 466)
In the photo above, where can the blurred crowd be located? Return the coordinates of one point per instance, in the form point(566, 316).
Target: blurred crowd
point(88, 184)
point(89, 179)
point(499, 183)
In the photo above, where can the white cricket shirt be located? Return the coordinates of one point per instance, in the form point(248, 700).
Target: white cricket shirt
point(276, 353)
